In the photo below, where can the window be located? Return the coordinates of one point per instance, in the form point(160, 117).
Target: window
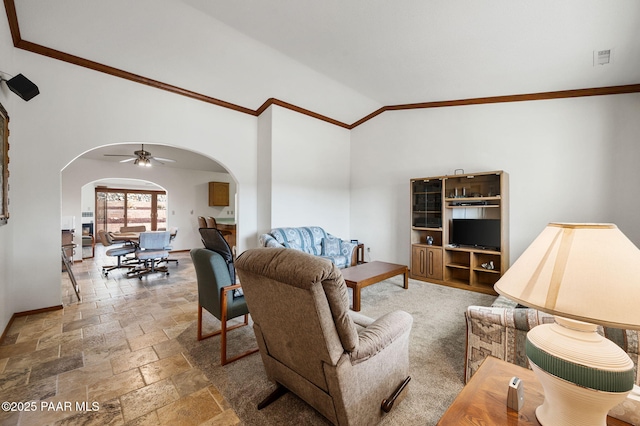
point(127, 207)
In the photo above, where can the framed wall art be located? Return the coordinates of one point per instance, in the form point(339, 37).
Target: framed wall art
point(4, 165)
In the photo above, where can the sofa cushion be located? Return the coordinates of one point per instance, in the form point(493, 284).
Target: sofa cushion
point(339, 261)
point(292, 245)
point(330, 247)
point(306, 238)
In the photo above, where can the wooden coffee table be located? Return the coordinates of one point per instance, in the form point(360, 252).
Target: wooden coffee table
point(359, 276)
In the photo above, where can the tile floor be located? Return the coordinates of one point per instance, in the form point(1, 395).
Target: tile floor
point(112, 359)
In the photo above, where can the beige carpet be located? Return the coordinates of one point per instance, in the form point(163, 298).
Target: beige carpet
point(437, 351)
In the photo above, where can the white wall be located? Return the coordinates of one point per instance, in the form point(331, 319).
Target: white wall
point(78, 110)
point(187, 194)
point(7, 99)
point(572, 160)
point(309, 173)
point(264, 170)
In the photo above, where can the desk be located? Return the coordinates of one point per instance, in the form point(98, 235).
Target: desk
point(483, 401)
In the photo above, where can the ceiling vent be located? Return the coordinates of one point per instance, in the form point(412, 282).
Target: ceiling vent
point(602, 57)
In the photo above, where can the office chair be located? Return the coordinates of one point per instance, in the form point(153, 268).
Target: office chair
point(152, 251)
point(119, 252)
point(173, 231)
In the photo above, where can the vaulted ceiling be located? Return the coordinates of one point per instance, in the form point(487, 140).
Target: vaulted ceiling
point(343, 59)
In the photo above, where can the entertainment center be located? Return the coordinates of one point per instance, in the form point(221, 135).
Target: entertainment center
point(460, 229)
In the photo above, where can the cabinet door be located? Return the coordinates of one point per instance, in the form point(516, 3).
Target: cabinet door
point(434, 263)
point(419, 261)
point(218, 193)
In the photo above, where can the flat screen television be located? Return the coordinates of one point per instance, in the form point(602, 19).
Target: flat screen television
point(483, 233)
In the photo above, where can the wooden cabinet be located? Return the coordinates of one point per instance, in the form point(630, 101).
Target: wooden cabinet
point(426, 262)
point(441, 207)
point(218, 193)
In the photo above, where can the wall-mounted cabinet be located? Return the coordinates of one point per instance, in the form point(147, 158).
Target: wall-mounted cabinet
point(460, 229)
point(218, 193)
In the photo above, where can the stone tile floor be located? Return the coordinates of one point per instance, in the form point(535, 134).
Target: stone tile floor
point(113, 358)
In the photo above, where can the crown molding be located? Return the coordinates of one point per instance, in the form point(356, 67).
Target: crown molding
point(561, 94)
point(19, 43)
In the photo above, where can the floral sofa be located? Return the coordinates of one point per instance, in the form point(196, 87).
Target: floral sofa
point(500, 330)
point(313, 240)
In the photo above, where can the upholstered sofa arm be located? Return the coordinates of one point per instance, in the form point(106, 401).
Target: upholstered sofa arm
point(523, 319)
point(348, 249)
point(499, 330)
point(380, 334)
point(266, 240)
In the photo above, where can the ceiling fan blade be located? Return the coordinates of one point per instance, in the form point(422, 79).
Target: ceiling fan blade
point(119, 155)
point(168, 160)
point(127, 160)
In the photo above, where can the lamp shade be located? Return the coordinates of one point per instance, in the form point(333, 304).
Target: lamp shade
point(587, 272)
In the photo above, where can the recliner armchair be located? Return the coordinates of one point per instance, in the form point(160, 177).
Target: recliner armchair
point(347, 366)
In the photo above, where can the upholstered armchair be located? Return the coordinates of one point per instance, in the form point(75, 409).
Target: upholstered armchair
point(218, 292)
point(349, 367)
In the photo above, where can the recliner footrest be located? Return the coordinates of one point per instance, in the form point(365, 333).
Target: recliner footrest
point(273, 396)
point(397, 395)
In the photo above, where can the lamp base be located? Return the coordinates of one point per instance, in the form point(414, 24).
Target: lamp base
point(568, 404)
point(583, 374)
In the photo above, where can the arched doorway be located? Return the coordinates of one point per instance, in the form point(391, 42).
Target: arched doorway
point(186, 187)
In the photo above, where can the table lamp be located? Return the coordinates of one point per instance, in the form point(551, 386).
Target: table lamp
point(585, 275)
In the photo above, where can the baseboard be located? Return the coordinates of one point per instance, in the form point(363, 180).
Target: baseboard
point(25, 313)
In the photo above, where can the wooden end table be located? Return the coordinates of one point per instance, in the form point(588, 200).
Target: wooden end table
point(483, 401)
point(360, 276)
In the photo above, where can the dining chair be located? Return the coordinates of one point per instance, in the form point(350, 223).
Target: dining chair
point(217, 295)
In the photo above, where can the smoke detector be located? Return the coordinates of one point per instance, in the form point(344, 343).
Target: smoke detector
point(602, 57)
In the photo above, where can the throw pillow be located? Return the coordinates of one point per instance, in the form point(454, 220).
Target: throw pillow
point(330, 247)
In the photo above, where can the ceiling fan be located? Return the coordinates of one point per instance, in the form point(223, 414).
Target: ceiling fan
point(142, 158)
